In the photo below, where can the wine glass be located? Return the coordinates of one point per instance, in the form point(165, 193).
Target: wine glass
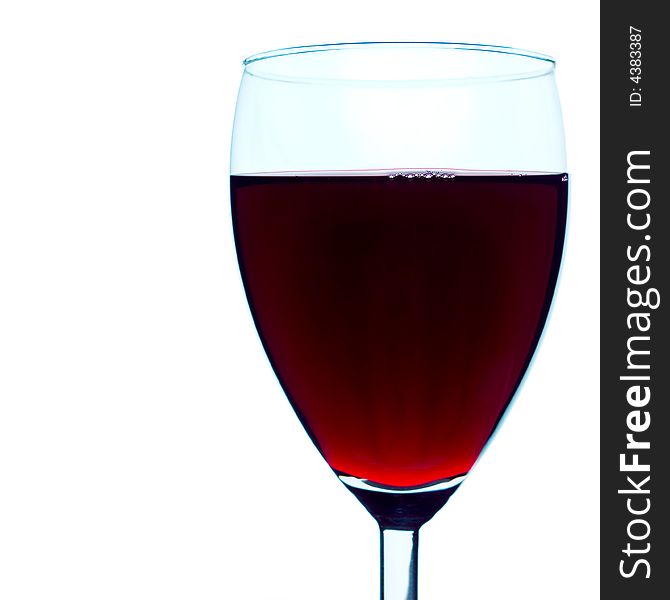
point(399, 213)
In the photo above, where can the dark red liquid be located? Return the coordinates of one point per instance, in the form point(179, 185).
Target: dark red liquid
point(399, 314)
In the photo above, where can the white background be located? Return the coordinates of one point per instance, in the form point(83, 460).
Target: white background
point(146, 449)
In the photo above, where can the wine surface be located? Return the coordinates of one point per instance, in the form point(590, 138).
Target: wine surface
point(399, 312)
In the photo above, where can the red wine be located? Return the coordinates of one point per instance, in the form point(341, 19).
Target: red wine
point(399, 311)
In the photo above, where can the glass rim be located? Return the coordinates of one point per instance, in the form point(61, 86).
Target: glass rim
point(546, 64)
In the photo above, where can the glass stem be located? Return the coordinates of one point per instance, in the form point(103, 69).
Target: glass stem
point(399, 563)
